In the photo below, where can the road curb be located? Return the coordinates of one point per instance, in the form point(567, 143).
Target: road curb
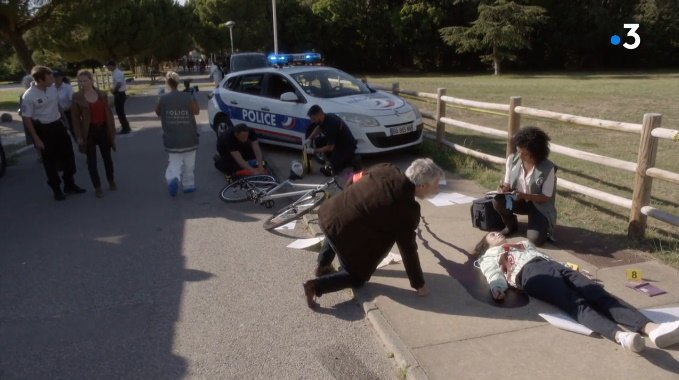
point(393, 343)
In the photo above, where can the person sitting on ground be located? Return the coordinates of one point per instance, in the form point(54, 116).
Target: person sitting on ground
point(338, 144)
point(363, 222)
point(238, 149)
point(522, 266)
point(531, 179)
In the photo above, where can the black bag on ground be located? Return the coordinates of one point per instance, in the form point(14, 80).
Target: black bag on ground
point(484, 216)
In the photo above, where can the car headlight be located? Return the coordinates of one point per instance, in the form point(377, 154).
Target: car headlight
point(418, 114)
point(360, 120)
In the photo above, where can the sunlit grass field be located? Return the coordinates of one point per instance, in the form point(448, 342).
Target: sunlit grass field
point(619, 97)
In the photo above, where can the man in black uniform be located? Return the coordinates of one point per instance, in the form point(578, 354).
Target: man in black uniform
point(239, 149)
point(339, 145)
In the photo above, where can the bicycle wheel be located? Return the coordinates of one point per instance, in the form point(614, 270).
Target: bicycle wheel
point(239, 190)
point(296, 209)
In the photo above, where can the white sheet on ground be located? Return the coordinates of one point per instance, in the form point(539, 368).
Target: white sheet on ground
point(289, 226)
point(449, 199)
point(390, 259)
point(305, 243)
point(565, 322)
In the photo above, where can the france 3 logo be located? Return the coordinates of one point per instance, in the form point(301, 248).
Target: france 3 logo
point(615, 39)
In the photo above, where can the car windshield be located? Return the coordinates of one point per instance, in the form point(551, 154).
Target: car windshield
point(329, 83)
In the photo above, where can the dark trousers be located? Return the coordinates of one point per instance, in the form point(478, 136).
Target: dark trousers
point(97, 137)
point(58, 151)
point(119, 98)
point(538, 225)
point(580, 298)
point(340, 159)
point(335, 281)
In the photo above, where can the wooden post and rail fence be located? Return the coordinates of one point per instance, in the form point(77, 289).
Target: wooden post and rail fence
point(644, 169)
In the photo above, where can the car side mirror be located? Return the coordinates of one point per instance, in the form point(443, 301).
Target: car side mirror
point(289, 97)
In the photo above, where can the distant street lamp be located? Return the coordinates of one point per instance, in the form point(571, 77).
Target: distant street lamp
point(230, 25)
point(275, 28)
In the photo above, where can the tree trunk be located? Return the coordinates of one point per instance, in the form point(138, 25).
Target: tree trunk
point(22, 51)
point(496, 62)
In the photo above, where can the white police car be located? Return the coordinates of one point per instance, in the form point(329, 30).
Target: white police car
point(274, 102)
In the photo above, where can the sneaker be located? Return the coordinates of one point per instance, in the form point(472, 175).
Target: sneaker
point(98, 192)
point(665, 335)
point(189, 190)
point(112, 186)
point(173, 186)
point(73, 189)
point(631, 341)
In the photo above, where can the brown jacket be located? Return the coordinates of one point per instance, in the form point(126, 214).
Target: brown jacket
point(365, 220)
point(80, 113)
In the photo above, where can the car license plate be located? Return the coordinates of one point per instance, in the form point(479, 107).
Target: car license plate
point(395, 131)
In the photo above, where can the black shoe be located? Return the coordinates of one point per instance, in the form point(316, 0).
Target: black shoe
point(59, 196)
point(73, 189)
point(124, 131)
point(327, 171)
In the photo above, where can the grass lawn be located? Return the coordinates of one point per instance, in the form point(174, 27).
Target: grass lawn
point(9, 100)
point(620, 97)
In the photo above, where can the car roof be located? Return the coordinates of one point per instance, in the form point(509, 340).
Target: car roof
point(286, 70)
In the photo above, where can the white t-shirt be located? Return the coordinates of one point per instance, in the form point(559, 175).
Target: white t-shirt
point(119, 77)
point(526, 178)
point(40, 105)
point(65, 92)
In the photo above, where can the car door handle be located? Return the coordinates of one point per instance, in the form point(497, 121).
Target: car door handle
point(234, 102)
point(265, 109)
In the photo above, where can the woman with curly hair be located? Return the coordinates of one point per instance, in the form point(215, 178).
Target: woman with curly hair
point(529, 186)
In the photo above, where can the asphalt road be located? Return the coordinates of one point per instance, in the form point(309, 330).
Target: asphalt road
point(139, 285)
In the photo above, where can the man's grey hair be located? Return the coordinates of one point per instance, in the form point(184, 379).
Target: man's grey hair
point(423, 171)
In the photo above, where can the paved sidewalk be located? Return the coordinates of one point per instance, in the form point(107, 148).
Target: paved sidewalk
point(459, 332)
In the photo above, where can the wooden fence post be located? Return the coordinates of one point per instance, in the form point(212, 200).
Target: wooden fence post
point(440, 112)
point(648, 148)
point(395, 89)
point(513, 124)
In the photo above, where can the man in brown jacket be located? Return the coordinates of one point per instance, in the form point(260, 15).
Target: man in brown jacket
point(363, 222)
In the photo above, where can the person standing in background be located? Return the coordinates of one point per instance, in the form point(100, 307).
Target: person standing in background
point(65, 93)
point(94, 127)
point(119, 96)
point(41, 116)
point(177, 111)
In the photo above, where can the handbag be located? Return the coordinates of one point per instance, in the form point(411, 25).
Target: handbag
point(484, 216)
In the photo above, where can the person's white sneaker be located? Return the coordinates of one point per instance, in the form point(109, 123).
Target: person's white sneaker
point(666, 334)
point(631, 341)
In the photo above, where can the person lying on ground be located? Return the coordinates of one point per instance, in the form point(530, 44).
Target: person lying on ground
point(522, 266)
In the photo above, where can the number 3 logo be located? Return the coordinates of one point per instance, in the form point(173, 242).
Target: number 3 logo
point(632, 33)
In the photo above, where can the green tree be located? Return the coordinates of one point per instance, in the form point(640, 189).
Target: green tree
point(500, 30)
point(137, 29)
point(17, 17)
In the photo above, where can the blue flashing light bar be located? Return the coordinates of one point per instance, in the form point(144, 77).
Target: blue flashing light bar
point(294, 59)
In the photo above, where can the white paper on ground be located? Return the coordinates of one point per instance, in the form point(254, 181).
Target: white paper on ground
point(305, 243)
point(289, 226)
point(390, 259)
point(667, 314)
point(449, 199)
point(565, 322)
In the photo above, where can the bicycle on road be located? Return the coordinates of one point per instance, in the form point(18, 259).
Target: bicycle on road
point(264, 190)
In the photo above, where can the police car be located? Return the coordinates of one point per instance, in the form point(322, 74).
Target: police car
point(274, 102)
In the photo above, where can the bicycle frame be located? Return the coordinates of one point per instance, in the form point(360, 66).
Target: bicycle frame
point(271, 195)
